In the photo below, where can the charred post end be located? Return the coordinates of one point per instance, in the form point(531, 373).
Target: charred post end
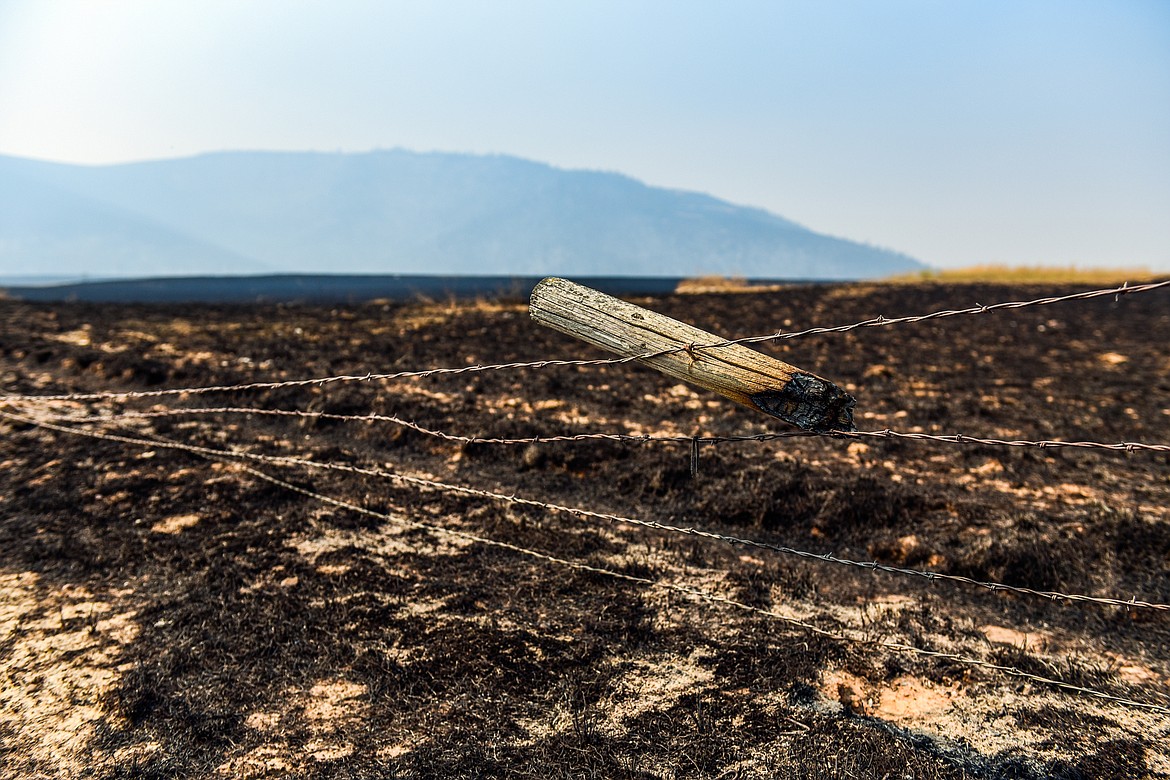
point(811, 403)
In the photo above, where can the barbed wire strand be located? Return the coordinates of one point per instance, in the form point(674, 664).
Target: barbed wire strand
point(879, 321)
point(886, 433)
point(706, 596)
point(994, 587)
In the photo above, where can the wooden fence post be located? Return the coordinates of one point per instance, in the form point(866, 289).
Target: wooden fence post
point(747, 377)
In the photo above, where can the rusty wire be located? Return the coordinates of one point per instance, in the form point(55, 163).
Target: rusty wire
point(873, 322)
point(284, 460)
point(885, 433)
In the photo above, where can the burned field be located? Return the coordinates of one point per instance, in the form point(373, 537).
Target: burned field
point(165, 612)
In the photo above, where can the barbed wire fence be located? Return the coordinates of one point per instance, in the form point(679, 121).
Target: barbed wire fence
point(873, 322)
point(60, 413)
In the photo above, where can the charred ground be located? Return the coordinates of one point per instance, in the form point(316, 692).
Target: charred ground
point(166, 615)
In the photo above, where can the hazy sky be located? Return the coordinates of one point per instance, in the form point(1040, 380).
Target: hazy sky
point(959, 132)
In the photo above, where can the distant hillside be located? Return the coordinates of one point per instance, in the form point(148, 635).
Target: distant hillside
point(392, 212)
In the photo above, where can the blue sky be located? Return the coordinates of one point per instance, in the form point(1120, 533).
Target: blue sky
point(958, 132)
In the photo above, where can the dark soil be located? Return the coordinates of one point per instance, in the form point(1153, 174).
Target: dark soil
point(166, 615)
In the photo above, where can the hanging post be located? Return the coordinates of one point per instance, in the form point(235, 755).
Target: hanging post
point(747, 377)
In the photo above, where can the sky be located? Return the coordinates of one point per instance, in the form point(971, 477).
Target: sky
point(1020, 132)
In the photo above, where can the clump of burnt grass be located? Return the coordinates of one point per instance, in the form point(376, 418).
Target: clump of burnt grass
point(1070, 669)
point(786, 498)
point(1092, 549)
point(1140, 547)
point(1022, 556)
point(1112, 759)
point(222, 652)
point(756, 584)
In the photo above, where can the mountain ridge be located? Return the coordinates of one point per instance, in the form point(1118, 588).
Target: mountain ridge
point(394, 212)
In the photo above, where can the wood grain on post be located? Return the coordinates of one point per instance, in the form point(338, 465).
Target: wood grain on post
point(745, 376)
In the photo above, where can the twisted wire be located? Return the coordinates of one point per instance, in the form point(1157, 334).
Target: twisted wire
point(885, 433)
point(1054, 596)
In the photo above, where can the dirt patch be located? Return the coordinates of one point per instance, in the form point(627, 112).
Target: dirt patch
point(1009, 636)
point(329, 709)
point(175, 524)
point(63, 655)
point(905, 701)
